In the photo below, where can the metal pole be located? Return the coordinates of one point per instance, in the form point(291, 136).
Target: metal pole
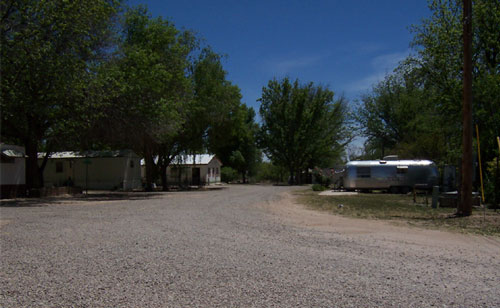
point(479, 158)
point(496, 177)
point(86, 180)
point(465, 205)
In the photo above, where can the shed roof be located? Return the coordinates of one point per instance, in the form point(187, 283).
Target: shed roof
point(198, 159)
point(12, 150)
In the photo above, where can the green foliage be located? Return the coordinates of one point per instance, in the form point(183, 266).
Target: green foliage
point(416, 111)
point(236, 145)
point(268, 172)
point(318, 187)
point(321, 179)
point(228, 174)
point(439, 44)
point(397, 118)
point(73, 71)
point(48, 49)
point(302, 125)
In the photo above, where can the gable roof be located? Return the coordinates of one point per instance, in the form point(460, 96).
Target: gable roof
point(200, 159)
point(197, 159)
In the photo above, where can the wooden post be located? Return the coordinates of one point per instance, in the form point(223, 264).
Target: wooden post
point(465, 204)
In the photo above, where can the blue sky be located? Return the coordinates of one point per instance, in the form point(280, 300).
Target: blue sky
point(345, 45)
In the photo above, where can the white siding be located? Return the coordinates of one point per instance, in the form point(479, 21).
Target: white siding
point(101, 173)
point(13, 173)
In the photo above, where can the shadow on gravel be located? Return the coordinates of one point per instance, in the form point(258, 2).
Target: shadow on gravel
point(91, 197)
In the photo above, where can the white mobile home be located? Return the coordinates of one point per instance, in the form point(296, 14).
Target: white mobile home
point(106, 170)
point(12, 171)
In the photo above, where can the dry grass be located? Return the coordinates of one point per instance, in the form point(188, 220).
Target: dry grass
point(401, 208)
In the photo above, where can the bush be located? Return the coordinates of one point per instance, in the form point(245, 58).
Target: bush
point(320, 178)
point(228, 174)
point(267, 172)
point(318, 187)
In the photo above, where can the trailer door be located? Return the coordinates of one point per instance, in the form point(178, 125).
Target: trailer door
point(402, 176)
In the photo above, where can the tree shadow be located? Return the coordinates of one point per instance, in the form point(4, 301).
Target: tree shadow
point(91, 197)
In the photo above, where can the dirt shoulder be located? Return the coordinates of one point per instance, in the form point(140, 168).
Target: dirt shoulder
point(289, 211)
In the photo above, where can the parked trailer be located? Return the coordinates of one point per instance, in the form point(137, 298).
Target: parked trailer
point(392, 175)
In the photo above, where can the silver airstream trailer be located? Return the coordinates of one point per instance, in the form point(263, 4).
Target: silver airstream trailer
point(393, 175)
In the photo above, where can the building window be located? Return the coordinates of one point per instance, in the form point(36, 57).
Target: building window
point(216, 171)
point(363, 172)
point(174, 172)
point(59, 167)
point(131, 164)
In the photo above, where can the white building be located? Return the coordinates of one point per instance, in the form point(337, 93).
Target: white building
point(200, 169)
point(12, 171)
point(106, 170)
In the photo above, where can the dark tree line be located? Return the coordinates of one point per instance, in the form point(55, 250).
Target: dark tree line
point(95, 74)
point(416, 111)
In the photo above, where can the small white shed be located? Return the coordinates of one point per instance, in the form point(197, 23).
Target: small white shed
point(12, 171)
point(199, 169)
point(93, 170)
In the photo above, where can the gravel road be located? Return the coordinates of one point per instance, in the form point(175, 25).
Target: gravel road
point(231, 248)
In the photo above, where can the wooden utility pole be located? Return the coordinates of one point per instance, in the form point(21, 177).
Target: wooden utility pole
point(465, 204)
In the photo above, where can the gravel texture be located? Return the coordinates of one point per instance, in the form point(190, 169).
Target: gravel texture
point(229, 248)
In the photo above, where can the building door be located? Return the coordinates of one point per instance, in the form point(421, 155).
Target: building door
point(195, 176)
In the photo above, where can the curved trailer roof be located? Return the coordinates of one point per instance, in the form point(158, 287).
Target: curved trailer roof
point(405, 162)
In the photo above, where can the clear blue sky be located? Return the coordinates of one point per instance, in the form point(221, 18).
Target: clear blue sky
point(346, 45)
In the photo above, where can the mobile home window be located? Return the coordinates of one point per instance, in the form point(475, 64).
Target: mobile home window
point(59, 167)
point(363, 172)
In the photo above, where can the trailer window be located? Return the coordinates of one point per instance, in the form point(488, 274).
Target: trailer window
point(363, 172)
point(402, 169)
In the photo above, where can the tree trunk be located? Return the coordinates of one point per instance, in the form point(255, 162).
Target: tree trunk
point(149, 160)
point(33, 176)
point(42, 167)
point(291, 181)
point(164, 178)
point(298, 180)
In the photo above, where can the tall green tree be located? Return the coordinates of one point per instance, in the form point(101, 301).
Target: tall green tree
point(302, 125)
point(438, 42)
point(236, 145)
point(209, 117)
point(416, 110)
point(397, 117)
point(47, 47)
point(151, 85)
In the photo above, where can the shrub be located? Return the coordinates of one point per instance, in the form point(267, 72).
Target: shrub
point(228, 174)
point(267, 172)
point(318, 187)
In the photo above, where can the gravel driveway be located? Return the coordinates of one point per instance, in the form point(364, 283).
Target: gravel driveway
point(228, 248)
